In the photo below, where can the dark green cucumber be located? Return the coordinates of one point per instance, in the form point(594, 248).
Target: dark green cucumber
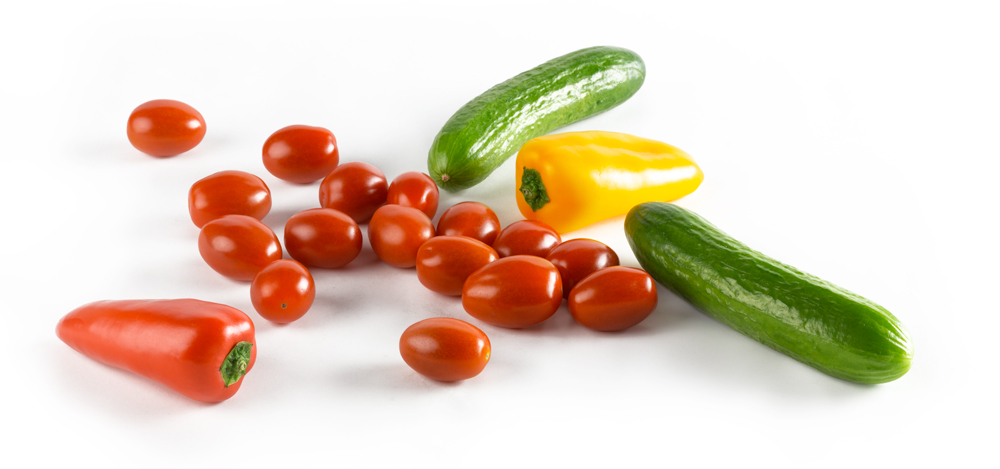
point(494, 125)
point(806, 318)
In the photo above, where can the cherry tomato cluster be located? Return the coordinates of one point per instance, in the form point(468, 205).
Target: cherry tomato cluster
point(536, 270)
point(515, 277)
point(228, 207)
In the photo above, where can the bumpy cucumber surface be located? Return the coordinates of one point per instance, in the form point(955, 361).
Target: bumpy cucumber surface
point(494, 125)
point(806, 318)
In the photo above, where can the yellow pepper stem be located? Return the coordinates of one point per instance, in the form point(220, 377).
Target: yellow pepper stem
point(533, 189)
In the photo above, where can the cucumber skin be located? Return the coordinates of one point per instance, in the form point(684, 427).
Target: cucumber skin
point(493, 126)
point(813, 321)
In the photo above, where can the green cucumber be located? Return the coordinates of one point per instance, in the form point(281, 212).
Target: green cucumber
point(806, 318)
point(494, 125)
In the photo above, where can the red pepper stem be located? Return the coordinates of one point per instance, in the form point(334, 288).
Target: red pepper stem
point(235, 365)
point(533, 189)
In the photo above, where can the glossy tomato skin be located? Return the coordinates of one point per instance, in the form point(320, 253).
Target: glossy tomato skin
point(228, 193)
point(164, 127)
point(322, 237)
point(444, 262)
point(528, 238)
point(396, 234)
point(355, 188)
point(301, 154)
point(513, 292)
point(283, 291)
point(414, 189)
point(238, 246)
point(613, 299)
point(471, 219)
point(578, 258)
point(445, 349)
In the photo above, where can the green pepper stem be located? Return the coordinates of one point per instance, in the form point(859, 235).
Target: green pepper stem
point(533, 189)
point(235, 365)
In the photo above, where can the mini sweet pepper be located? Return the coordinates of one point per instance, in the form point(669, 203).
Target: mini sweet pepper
point(197, 348)
point(571, 180)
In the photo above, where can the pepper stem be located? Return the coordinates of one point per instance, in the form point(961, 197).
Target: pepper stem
point(533, 189)
point(235, 365)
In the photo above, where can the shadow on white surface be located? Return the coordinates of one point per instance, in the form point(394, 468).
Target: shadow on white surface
point(697, 345)
point(366, 259)
point(386, 378)
point(277, 218)
point(113, 391)
point(101, 153)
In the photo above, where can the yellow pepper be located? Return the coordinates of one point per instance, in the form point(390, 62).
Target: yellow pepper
point(573, 179)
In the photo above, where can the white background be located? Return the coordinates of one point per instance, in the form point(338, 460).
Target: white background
point(854, 140)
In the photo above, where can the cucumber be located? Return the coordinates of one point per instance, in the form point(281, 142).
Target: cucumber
point(808, 319)
point(494, 125)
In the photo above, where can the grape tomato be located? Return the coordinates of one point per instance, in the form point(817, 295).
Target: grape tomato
point(513, 292)
point(228, 193)
point(526, 237)
point(164, 127)
point(613, 299)
point(445, 349)
point(471, 219)
point(301, 154)
point(238, 246)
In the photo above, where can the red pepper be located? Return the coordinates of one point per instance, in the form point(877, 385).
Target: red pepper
point(197, 348)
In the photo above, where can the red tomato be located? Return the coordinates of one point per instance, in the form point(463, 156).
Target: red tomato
point(396, 233)
point(357, 189)
point(414, 189)
point(283, 291)
point(578, 258)
point(444, 262)
point(301, 154)
point(515, 292)
point(613, 299)
point(228, 193)
point(526, 237)
point(322, 237)
point(238, 246)
point(445, 349)
point(164, 127)
point(471, 219)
